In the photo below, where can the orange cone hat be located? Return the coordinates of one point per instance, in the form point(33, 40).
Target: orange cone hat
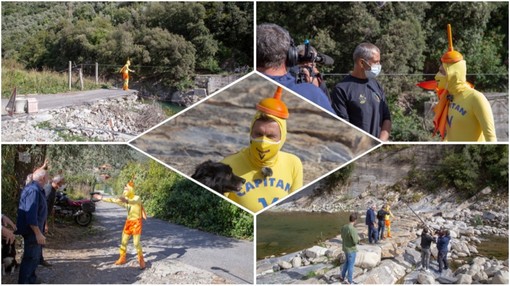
point(451, 56)
point(274, 105)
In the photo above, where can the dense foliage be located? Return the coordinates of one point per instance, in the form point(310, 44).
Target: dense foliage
point(166, 195)
point(166, 41)
point(470, 168)
point(466, 169)
point(412, 38)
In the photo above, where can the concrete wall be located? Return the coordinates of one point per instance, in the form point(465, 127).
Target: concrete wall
point(499, 105)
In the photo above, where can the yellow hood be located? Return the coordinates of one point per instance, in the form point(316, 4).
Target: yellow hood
point(456, 77)
point(282, 123)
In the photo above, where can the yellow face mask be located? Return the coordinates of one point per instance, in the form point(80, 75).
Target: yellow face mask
point(441, 80)
point(129, 192)
point(263, 148)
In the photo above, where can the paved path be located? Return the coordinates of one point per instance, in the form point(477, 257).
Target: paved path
point(174, 255)
point(228, 258)
point(59, 100)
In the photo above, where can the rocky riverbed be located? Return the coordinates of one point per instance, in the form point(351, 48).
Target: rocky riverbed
point(119, 119)
point(397, 260)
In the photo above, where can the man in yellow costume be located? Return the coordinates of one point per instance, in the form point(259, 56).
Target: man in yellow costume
point(270, 173)
point(387, 221)
point(133, 225)
point(463, 113)
point(125, 74)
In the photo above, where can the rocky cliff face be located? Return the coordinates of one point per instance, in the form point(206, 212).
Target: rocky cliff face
point(219, 126)
point(376, 178)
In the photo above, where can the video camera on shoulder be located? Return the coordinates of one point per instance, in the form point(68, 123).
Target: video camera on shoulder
point(308, 54)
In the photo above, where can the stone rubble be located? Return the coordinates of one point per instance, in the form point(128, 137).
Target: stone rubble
point(119, 119)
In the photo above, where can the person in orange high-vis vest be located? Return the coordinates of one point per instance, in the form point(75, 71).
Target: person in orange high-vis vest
point(125, 74)
point(133, 225)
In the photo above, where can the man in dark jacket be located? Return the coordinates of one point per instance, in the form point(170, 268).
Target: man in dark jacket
point(371, 223)
point(442, 247)
point(32, 214)
point(426, 241)
point(380, 221)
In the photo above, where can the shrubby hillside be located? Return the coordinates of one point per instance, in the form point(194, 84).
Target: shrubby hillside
point(171, 41)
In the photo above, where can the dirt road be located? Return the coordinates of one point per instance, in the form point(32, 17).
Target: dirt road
point(174, 255)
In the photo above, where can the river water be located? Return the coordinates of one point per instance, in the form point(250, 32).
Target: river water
point(279, 233)
point(283, 232)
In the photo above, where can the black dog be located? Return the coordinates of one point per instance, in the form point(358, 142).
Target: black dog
point(9, 263)
point(218, 176)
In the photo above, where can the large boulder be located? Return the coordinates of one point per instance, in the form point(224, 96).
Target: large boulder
point(412, 256)
point(481, 277)
point(284, 265)
point(368, 256)
point(388, 272)
point(425, 278)
point(464, 279)
point(315, 251)
point(296, 261)
point(501, 277)
point(460, 247)
point(334, 252)
point(474, 269)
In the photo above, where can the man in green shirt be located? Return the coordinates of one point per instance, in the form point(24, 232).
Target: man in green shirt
point(349, 240)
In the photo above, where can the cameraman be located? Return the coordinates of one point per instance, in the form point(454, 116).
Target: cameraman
point(276, 51)
point(442, 248)
point(306, 69)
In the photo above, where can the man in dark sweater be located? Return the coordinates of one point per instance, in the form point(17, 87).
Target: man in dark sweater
point(426, 241)
point(359, 98)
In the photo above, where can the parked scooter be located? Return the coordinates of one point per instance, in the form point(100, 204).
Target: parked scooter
point(81, 210)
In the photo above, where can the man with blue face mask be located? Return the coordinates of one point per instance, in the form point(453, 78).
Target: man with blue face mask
point(270, 173)
point(359, 98)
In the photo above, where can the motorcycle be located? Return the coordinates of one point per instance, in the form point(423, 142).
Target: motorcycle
point(80, 210)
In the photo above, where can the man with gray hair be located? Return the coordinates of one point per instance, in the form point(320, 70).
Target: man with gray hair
point(50, 191)
point(370, 221)
point(276, 52)
point(359, 98)
point(32, 213)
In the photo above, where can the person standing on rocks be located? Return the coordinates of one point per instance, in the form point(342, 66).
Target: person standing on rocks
point(387, 222)
point(442, 247)
point(371, 223)
point(270, 173)
point(350, 239)
point(426, 241)
point(381, 214)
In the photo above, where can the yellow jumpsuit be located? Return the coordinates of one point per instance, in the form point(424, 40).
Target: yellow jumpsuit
point(125, 75)
point(387, 222)
point(133, 225)
point(469, 113)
